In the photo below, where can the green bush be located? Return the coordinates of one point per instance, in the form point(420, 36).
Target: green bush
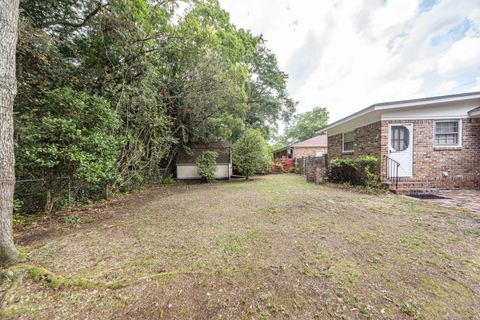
point(358, 171)
point(18, 217)
point(279, 167)
point(296, 168)
point(250, 152)
point(74, 135)
point(265, 167)
point(206, 165)
point(73, 220)
point(167, 180)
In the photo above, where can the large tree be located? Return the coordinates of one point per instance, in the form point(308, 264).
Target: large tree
point(8, 89)
point(306, 125)
point(171, 78)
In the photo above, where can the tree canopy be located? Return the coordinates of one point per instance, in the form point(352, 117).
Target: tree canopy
point(154, 78)
point(305, 125)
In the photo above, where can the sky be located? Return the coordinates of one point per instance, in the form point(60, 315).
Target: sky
point(346, 55)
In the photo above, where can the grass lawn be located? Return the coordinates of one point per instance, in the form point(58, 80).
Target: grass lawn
point(272, 248)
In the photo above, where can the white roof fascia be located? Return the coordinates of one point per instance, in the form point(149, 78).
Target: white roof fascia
point(475, 113)
point(404, 104)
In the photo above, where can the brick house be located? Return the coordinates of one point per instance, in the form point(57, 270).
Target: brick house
point(313, 147)
point(422, 143)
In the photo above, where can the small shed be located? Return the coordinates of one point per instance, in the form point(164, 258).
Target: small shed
point(186, 160)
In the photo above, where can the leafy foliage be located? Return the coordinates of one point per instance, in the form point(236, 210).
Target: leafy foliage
point(71, 134)
point(160, 80)
point(73, 220)
point(250, 153)
point(206, 165)
point(306, 125)
point(358, 171)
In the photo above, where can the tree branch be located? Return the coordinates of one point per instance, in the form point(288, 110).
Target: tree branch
point(75, 24)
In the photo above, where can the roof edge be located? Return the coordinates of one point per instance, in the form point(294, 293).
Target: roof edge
point(400, 103)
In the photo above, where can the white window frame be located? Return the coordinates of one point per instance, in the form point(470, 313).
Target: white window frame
point(459, 140)
point(343, 142)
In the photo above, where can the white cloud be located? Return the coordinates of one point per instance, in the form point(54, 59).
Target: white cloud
point(446, 86)
point(346, 55)
point(463, 54)
point(394, 14)
point(476, 87)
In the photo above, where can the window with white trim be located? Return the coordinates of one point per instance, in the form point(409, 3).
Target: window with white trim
point(447, 133)
point(348, 141)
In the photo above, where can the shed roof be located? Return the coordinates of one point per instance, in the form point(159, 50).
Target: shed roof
point(223, 148)
point(213, 145)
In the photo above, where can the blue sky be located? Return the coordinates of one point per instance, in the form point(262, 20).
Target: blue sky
point(346, 55)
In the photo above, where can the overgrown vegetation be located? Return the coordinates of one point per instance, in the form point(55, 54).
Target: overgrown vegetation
point(358, 171)
point(206, 165)
point(108, 91)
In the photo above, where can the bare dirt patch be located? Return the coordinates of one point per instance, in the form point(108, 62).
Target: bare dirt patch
point(274, 248)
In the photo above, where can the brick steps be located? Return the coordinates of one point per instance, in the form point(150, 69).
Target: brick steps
point(411, 187)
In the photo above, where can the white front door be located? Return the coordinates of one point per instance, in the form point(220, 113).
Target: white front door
point(400, 149)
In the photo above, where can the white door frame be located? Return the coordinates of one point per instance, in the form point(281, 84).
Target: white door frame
point(406, 157)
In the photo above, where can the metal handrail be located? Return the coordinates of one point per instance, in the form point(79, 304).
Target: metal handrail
point(391, 170)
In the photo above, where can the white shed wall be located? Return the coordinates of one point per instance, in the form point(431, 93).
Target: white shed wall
point(189, 172)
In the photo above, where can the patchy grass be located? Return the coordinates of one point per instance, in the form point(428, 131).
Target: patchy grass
point(273, 248)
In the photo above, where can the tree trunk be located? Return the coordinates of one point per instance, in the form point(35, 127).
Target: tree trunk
point(48, 202)
point(8, 90)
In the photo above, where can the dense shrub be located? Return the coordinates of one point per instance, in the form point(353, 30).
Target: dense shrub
point(206, 165)
point(250, 153)
point(278, 167)
point(265, 167)
point(73, 135)
point(359, 171)
point(283, 165)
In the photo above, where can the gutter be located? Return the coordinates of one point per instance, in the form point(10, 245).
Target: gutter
point(404, 104)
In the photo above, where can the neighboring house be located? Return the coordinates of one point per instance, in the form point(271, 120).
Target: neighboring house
point(186, 161)
point(313, 147)
point(283, 153)
point(422, 143)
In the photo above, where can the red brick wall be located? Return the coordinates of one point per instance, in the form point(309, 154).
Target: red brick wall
point(300, 152)
point(462, 163)
point(335, 146)
point(367, 142)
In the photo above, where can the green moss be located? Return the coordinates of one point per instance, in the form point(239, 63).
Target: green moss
point(56, 281)
point(130, 282)
point(184, 312)
point(12, 312)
